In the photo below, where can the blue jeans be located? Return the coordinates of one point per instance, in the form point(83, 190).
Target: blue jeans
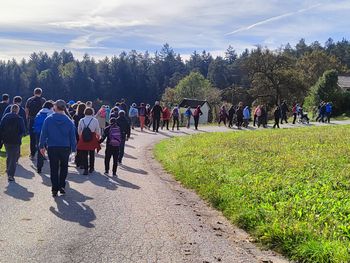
point(121, 150)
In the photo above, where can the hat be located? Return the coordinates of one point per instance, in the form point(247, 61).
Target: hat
point(71, 102)
point(60, 104)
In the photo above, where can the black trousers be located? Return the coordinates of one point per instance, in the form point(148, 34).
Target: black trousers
point(59, 157)
point(40, 158)
point(196, 121)
point(88, 159)
point(156, 124)
point(32, 136)
point(111, 151)
point(284, 117)
point(277, 121)
point(165, 123)
point(176, 122)
point(294, 117)
point(255, 120)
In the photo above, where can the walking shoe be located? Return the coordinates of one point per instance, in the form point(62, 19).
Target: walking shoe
point(91, 170)
point(106, 173)
point(39, 170)
point(115, 175)
point(11, 179)
point(120, 162)
point(86, 172)
point(31, 157)
point(54, 193)
point(62, 191)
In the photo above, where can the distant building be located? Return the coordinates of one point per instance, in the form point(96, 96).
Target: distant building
point(193, 103)
point(344, 83)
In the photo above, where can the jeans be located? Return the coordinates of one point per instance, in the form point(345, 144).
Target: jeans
point(111, 151)
point(121, 149)
point(12, 156)
point(156, 122)
point(176, 122)
point(32, 136)
point(88, 159)
point(40, 159)
point(59, 157)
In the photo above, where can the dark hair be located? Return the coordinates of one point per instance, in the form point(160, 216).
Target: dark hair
point(38, 91)
point(89, 111)
point(17, 99)
point(81, 108)
point(14, 108)
point(142, 104)
point(113, 121)
point(48, 105)
point(5, 96)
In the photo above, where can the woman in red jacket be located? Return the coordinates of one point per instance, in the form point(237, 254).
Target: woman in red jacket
point(88, 140)
point(166, 115)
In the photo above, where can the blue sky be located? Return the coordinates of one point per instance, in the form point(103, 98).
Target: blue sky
point(106, 27)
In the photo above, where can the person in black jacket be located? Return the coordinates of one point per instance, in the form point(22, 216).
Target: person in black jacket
point(33, 106)
point(3, 104)
point(125, 128)
point(231, 114)
point(12, 130)
point(277, 115)
point(284, 109)
point(156, 114)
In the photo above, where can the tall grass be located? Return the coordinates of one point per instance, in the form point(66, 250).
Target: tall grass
point(289, 188)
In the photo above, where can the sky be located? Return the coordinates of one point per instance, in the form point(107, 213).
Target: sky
point(107, 27)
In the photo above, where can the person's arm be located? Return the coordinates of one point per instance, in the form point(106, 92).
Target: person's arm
point(26, 107)
point(80, 127)
point(43, 135)
point(105, 134)
point(128, 130)
point(73, 139)
point(97, 129)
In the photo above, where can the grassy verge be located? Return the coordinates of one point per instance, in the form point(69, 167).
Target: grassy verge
point(289, 188)
point(24, 152)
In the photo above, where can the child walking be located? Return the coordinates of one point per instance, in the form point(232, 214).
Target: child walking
point(114, 138)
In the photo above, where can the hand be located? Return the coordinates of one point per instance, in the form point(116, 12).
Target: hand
point(43, 151)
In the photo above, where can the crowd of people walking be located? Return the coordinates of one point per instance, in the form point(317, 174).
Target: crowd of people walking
point(58, 129)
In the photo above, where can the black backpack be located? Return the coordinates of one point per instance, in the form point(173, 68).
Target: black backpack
point(87, 134)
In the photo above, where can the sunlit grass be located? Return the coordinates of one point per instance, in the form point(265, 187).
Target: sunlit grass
point(289, 188)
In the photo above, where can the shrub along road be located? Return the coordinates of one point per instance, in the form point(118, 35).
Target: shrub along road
point(141, 216)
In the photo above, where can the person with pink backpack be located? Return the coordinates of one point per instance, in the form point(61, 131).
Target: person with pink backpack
point(114, 139)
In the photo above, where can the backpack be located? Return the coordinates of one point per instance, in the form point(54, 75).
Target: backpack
point(87, 134)
point(115, 136)
point(176, 112)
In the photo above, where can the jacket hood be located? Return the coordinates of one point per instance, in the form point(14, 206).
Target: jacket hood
point(61, 119)
point(46, 111)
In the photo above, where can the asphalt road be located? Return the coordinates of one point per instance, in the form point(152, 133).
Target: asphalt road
point(141, 216)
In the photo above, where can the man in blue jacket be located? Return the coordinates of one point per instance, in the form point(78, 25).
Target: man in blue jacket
point(11, 131)
point(58, 134)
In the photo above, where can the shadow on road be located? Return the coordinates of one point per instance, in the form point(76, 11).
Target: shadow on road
point(124, 183)
point(72, 208)
point(133, 170)
point(129, 156)
point(96, 178)
point(19, 192)
point(23, 173)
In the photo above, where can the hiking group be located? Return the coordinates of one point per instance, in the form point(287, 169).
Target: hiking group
point(62, 130)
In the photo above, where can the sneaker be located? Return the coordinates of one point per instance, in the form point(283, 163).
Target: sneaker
point(91, 170)
point(86, 172)
point(120, 162)
point(115, 175)
point(106, 173)
point(54, 193)
point(39, 170)
point(11, 179)
point(62, 191)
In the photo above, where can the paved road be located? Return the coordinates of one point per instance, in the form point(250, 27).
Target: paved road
point(142, 216)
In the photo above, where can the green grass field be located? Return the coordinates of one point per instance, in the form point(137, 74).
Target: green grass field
point(289, 188)
point(24, 152)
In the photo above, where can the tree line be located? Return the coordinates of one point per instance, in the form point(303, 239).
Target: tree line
point(258, 74)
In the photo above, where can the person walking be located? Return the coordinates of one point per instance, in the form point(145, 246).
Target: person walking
point(124, 126)
point(3, 104)
point(142, 116)
point(188, 115)
point(101, 116)
point(133, 115)
point(148, 120)
point(156, 114)
point(295, 112)
point(277, 116)
point(322, 112)
point(222, 115)
point(284, 110)
point(89, 134)
point(46, 111)
point(239, 113)
point(328, 110)
point(58, 135)
point(76, 118)
point(33, 106)
point(262, 119)
point(257, 114)
point(176, 117)
point(12, 130)
point(166, 115)
point(231, 114)
point(196, 115)
point(113, 134)
point(246, 116)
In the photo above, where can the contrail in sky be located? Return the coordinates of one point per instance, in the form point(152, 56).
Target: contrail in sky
point(271, 19)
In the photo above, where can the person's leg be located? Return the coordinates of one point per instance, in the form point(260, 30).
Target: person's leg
point(178, 123)
point(167, 124)
point(158, 124)
point(64, 158)
point(115, 160)
point(154, 124)
point(54, 166)
point(121, 150)
point(142, 122)
point(108, 155)
point(196, 121)
point(174, 119)
point(32, 137)
point(278, 123)
point(91, 161)
point(84, 160)
point(254, 120)
point(40, 158)
point(294, 117)
point(11, 160)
